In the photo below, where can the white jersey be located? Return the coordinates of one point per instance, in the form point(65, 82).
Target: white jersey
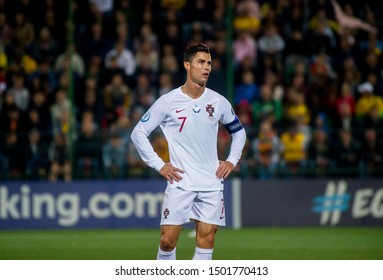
point(190, 127)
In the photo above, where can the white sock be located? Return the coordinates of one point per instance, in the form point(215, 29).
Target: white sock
point(202, 254)
point(163, 255)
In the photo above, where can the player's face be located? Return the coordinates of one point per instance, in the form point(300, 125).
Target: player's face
point(199, 68)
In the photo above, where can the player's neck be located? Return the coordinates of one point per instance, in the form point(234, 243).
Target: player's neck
point(193, 90)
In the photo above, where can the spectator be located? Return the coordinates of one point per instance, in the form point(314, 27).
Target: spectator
point(147, 35)
point(346, 97)
point(244, 112)
point(24, 31)
point(113, 69)
point(125, 58)
point(37, 163)
point(165, 83)
point(347, 154)
point(345, 121)
point(88, 150)
point(71, 57)
point(13, 121)
point(60, 159)
point(319, 38)
point(114, 156)
point(368, 101)
point(117, 95)
point(146, 52)
point(271, 42)
point(170, 64)
point(321, 67)
point(92, 104)
point(62, 104)
point(372, 155)
point(294, 152)
point(43, 79)
point(248, 16)
point(5, 30)
point(247, 64)
point(349, 73)
point(296, 107)
point(371, 64)
point(39, 103)
point(244, 46)
point(36, 122)
point(319, 154)
point(247, 90)
point(94, 43)
point(45, 48)
point(374, 121)
point(295, 24)
point(20, 92)
point(171, 35)
point(13, 153)
point(267, 149)
point(267, 108)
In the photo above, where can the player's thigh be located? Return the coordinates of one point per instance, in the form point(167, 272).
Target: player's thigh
point(209, 207)
point(177, 206)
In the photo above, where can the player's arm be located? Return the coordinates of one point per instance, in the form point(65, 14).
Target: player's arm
point(238, 135)
point(151, 119)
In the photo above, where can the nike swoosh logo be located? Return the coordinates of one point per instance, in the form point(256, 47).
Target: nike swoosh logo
point(178, 111)
point(221, 217)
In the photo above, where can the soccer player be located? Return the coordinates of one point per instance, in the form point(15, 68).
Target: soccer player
point(189, 117)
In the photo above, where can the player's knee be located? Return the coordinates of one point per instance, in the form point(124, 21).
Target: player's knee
point(167, 244)
point(209, 240)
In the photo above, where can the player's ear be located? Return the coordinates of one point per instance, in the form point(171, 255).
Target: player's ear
point(187, 65)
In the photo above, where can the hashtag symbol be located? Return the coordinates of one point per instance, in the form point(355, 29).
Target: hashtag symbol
point(332, 203)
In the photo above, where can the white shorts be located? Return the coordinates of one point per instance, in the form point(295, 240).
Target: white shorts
point(180, 206)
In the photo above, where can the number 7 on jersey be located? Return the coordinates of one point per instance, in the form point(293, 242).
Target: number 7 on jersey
point(183, 122)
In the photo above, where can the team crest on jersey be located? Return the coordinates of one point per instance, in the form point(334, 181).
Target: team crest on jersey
point(210, 110)
point(166, 213)
point(196, 109)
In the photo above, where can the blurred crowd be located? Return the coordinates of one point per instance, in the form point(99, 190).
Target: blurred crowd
point(307, 83)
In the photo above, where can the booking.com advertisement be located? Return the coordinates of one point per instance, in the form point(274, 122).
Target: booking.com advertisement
point(106, 204)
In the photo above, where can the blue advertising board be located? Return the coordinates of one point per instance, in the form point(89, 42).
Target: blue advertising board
point(319, 202)
point(85, 204)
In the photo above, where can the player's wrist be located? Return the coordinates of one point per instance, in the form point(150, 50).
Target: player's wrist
point(233, 162)
point(159, 166)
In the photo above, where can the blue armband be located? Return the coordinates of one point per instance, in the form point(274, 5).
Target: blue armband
point(234, 126)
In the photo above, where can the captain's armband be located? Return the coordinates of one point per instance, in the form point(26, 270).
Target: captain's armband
point(234, 126)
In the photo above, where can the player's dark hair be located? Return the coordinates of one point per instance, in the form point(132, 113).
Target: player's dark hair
point(192, 50)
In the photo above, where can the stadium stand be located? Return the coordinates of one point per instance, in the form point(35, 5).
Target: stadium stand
point(309, 71)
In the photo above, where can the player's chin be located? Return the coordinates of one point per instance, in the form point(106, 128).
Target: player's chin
point(201, 83)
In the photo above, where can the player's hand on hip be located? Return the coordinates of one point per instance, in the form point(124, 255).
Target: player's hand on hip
point(171, 173)
point(224, 169)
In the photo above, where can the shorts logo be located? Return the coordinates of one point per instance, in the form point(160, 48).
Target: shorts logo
point(166, 213)
point(210, 110)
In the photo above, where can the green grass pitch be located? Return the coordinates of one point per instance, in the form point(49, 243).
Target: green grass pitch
point(246, 244)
